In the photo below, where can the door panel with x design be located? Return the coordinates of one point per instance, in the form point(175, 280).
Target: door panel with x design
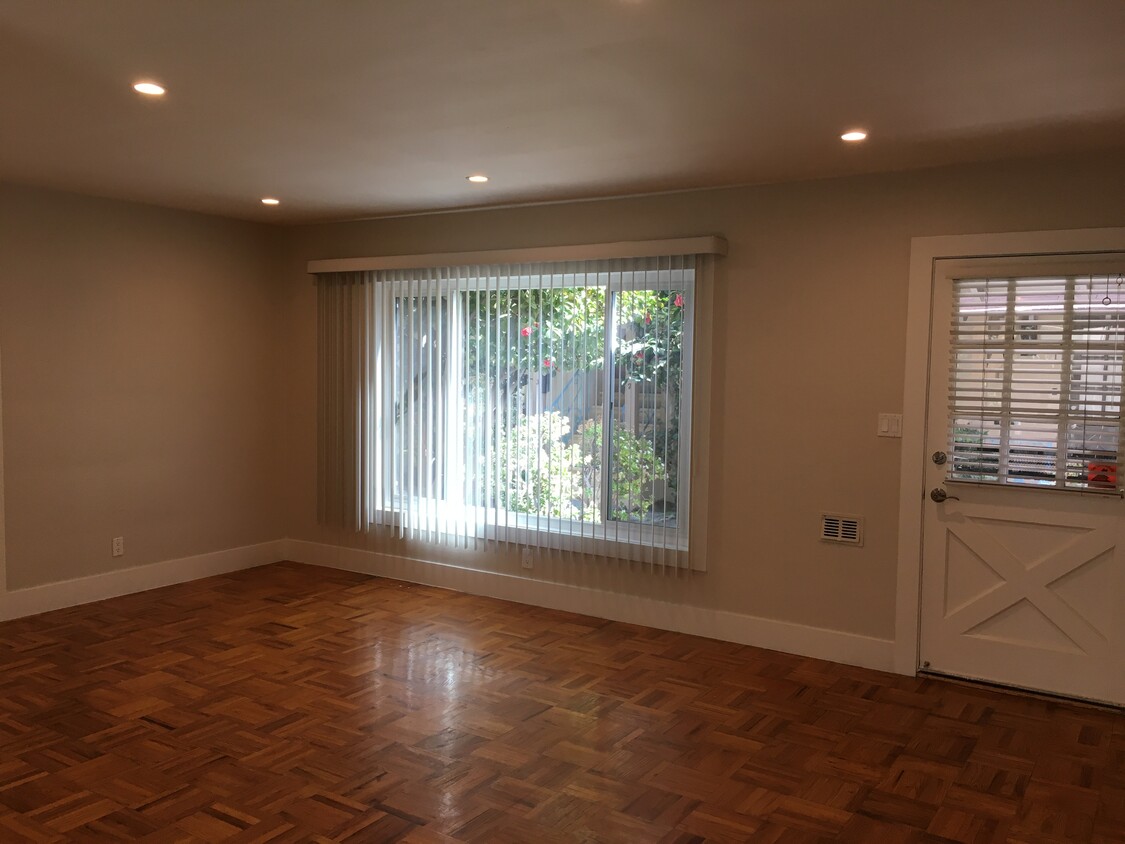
point(1027, 599)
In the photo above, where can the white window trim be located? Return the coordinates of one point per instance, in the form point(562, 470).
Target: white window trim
point(704, 245)
point(623, 540)
point(1004, 248)
point(628, 540)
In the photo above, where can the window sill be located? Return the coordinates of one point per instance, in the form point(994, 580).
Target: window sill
point(620, 540)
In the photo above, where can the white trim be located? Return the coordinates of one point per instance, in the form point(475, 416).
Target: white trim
point(706, 245)
point(628, 540)
point(924, 251)
point(818, 642)
point(804, 640)
point(697, 432)
point(98, 587)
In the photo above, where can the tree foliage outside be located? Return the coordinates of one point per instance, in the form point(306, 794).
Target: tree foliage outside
point(541, 473)
point(636, 469)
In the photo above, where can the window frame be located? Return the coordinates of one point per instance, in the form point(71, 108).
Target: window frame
point(1049, 266)
point(528, 528)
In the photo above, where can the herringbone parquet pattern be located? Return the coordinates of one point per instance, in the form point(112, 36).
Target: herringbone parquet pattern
point(293, 703)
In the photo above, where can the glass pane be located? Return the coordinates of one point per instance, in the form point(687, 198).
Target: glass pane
point(1095, 385)
point(1036, 378)
point(533, 399)
point(1032, 450)
point(1091, 457)
point(647, 383)
point(978, 379)
point(1040, 307)
point(981, 310)
point(422, 337)
point(1035, 381)
point(976, 449)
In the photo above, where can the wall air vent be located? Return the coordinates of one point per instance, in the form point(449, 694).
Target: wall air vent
point(838, 527)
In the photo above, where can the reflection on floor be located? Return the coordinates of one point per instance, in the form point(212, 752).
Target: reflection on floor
point(294, 703)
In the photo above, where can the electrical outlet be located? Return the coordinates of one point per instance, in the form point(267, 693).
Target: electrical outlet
point(525, 559)
point(119, 546)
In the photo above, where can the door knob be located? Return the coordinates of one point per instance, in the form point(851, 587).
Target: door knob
point(939, 457)
point(939, 495)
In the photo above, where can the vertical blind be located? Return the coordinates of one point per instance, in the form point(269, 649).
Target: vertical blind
point(540, 404)
point(1036, 380)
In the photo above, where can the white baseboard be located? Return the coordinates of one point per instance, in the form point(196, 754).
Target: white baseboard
point(819, 642)
point(97, 587)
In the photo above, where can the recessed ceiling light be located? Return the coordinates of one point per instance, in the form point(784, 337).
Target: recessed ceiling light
point(853, 136)
point(149, 89)
point(477, 178)
point(269, 200)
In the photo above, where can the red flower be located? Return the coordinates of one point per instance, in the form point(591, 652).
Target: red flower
point(679, 300)
point(640, 356)
point(547, 362)
point(526, 331)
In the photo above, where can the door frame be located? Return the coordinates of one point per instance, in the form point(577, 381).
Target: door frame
point(924, 252)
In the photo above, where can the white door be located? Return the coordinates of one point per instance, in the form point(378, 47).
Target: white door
point(1023, 571)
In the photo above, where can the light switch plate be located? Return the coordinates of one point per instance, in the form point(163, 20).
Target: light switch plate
point(890, 425)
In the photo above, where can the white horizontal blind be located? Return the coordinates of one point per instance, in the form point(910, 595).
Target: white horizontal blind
point(489, 394)
point(1035, 381)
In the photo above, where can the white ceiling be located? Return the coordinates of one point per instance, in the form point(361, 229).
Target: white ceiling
point(349, 108)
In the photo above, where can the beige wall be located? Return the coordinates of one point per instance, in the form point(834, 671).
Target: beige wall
point(140, 382)
point(809, 339)
point(158, 371)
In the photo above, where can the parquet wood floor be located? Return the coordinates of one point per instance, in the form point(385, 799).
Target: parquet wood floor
point(294, 703)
